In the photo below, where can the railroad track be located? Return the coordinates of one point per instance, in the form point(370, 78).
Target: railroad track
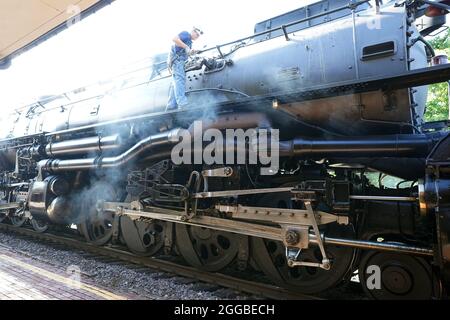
point(218, 279)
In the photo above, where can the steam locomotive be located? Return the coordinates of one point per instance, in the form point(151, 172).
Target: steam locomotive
point(361, 185)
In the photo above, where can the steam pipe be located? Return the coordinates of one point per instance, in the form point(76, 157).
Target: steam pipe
point(85, 145)
point(56, 165)
point(406, 145)
point(373, 146)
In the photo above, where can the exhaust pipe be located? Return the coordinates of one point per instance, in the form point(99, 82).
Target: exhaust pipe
point(157, 140)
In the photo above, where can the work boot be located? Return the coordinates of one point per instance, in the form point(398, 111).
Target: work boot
point(171, 108)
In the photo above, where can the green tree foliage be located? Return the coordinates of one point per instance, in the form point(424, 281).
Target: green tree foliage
point(437, 105)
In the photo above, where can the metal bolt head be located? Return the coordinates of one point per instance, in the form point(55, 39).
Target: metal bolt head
point(326, 264)
point(292, 237)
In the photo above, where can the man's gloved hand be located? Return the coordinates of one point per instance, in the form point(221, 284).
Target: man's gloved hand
point(190, 51)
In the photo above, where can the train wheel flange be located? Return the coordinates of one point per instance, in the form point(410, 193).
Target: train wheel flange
point(207, 249)
point(392, 276)
point(142, 237)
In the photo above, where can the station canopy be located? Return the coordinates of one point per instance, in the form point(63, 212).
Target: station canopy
point(24, 23)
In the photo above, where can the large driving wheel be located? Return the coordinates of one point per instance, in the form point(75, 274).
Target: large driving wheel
point(270, 256)
point(393, 276)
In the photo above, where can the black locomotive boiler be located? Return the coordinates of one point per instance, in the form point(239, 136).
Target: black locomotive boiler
point(362, 183)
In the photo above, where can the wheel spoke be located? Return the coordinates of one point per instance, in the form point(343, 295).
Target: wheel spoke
point(142, 237)
point(207, 249)
point(97, 226)
point(97, 230)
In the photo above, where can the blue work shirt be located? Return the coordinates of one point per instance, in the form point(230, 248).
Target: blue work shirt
point(180, 52)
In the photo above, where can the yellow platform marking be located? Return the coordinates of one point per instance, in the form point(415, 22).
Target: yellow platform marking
point(66, 281)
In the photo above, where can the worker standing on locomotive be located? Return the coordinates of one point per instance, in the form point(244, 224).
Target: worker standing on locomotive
point(179, 53)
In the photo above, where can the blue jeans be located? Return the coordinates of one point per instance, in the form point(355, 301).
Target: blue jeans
point(177, 90)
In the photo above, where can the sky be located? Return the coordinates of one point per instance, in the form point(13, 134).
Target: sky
point(123, 33)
